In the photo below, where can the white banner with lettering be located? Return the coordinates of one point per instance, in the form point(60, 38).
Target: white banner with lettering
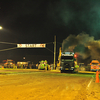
point(31, 45)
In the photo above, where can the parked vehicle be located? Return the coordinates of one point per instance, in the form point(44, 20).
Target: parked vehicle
point(8, 63)
point(43, 65)
point(95, 65)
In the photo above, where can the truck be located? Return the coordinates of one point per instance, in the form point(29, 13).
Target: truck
point(8, 63)
point(95, 65)
point(67, 62)
point(22, 64)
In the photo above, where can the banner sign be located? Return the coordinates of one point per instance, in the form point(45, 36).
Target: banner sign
point(31, 45)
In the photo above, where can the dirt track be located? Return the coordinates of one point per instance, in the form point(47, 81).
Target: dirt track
point(47, 86)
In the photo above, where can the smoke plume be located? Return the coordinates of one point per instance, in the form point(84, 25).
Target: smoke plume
point(84, 45)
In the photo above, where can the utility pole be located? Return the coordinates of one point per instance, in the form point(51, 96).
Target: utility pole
point(54, 50)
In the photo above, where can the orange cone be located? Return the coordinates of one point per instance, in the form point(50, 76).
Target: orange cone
point(2, 67)
point(97, 77)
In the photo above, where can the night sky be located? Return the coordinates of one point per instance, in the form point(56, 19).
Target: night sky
point(38, 21)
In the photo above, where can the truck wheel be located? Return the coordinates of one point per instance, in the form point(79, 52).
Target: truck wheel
point(45, 68)
point(38, 68)
point(62, 71)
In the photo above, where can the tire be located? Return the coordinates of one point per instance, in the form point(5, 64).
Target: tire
point(38, 67)
point(45, 68)
point(62, 71)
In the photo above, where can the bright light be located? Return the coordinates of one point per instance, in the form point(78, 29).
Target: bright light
point(75, 55)
point(23, 57)
point(0, 27)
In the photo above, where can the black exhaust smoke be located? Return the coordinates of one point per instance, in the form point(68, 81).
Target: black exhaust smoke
point(84, 45)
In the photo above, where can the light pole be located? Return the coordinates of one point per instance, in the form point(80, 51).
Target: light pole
point(54, 50)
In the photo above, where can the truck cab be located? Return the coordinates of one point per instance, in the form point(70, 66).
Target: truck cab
point(95, 65)
point(67, 62)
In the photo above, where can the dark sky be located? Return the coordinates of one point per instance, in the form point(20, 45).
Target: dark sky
point(38, 21)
